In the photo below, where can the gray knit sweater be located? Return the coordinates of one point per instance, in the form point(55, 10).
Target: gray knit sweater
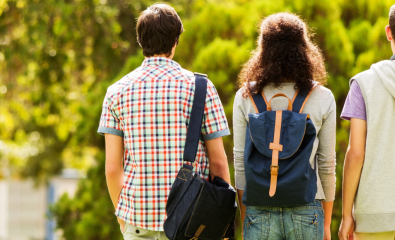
point(322, 109)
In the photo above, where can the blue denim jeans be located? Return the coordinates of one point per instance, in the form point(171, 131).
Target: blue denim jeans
point(290, 223)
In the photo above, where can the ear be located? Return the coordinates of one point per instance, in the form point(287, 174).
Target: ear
point(389, 33)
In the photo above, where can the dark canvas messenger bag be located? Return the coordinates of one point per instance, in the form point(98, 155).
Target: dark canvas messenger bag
point(196, 208)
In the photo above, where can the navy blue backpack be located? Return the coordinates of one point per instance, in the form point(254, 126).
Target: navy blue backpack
point(278, 147)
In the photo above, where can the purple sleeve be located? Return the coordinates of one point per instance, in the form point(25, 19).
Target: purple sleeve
point(354, 107)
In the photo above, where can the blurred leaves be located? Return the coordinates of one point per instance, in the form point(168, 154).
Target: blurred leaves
point(55, 54)
point(92, 216)
point(57, 59)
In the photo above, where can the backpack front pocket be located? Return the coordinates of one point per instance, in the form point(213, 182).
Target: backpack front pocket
point(277, 160)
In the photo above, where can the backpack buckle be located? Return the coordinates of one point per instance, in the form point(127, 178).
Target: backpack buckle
point(272, 171)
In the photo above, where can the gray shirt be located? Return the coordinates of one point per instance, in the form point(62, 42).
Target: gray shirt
point(322, 109)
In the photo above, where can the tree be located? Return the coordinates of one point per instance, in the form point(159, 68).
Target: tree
point(53, 55)
point(92, 215)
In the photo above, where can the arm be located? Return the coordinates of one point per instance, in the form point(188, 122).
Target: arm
point(214, 127)
point(239, 132)
point(326, 162)
point(114, 167)
point(351, 174)
point(327, 206)
point(242, 207)
point(218, 163)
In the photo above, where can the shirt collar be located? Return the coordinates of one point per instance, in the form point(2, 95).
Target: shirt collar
point(157, 61)
point(393, 57)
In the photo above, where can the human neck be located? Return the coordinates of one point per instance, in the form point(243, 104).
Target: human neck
point(162, 55)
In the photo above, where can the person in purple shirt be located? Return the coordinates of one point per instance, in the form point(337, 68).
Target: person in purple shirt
point(369, 166)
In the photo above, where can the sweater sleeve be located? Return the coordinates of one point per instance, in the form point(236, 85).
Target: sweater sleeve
point(354, 107)
point(326, 152)
point(239, 130)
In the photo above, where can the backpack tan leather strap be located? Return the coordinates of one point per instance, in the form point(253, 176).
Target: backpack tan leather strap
point(276, 147)
point(269, 104)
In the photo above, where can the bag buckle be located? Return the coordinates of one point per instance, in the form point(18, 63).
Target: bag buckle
point(203, 75)
point(272, 171)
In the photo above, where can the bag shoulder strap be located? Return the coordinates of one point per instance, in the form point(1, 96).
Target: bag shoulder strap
point(300, 100)
point(196, 118)
point(259, 101)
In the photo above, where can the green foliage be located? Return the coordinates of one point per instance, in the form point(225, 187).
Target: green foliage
point(58, 57)
point(92, 216)
point(54, 54)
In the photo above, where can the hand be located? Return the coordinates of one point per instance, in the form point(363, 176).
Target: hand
point(121, 223)
point(327, 232)
point(347, 228)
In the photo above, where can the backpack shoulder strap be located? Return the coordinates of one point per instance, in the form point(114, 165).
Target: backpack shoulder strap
point(259, 101)
point(196, 118)
point(300, 100)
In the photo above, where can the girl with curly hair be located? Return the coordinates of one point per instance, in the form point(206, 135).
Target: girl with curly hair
point(287, 61)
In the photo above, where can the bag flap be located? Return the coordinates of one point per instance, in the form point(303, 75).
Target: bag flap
point(214, 212)
point(293, 127)
point(185, 190)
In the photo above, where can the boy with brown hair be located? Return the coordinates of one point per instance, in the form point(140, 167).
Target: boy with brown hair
point(145, 119)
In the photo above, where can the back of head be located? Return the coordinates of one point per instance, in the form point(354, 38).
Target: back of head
point(158, 30)
point(392, 19)
point(285, 53)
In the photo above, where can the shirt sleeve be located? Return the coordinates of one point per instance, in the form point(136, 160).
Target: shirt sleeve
point(326, 152)
point(109, 122)
point(354, 107)
point(214, 121)
point(239, 133)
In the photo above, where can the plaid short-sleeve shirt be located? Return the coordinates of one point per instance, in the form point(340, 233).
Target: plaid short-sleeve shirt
point(150, 108)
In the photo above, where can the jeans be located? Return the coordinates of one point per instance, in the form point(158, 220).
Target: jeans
point(134, 233)
point(290, 223)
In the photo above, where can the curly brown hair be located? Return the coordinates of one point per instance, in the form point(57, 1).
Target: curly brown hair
point(285, 53)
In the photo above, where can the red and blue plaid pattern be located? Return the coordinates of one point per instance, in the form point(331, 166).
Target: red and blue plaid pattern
point(150, 108)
